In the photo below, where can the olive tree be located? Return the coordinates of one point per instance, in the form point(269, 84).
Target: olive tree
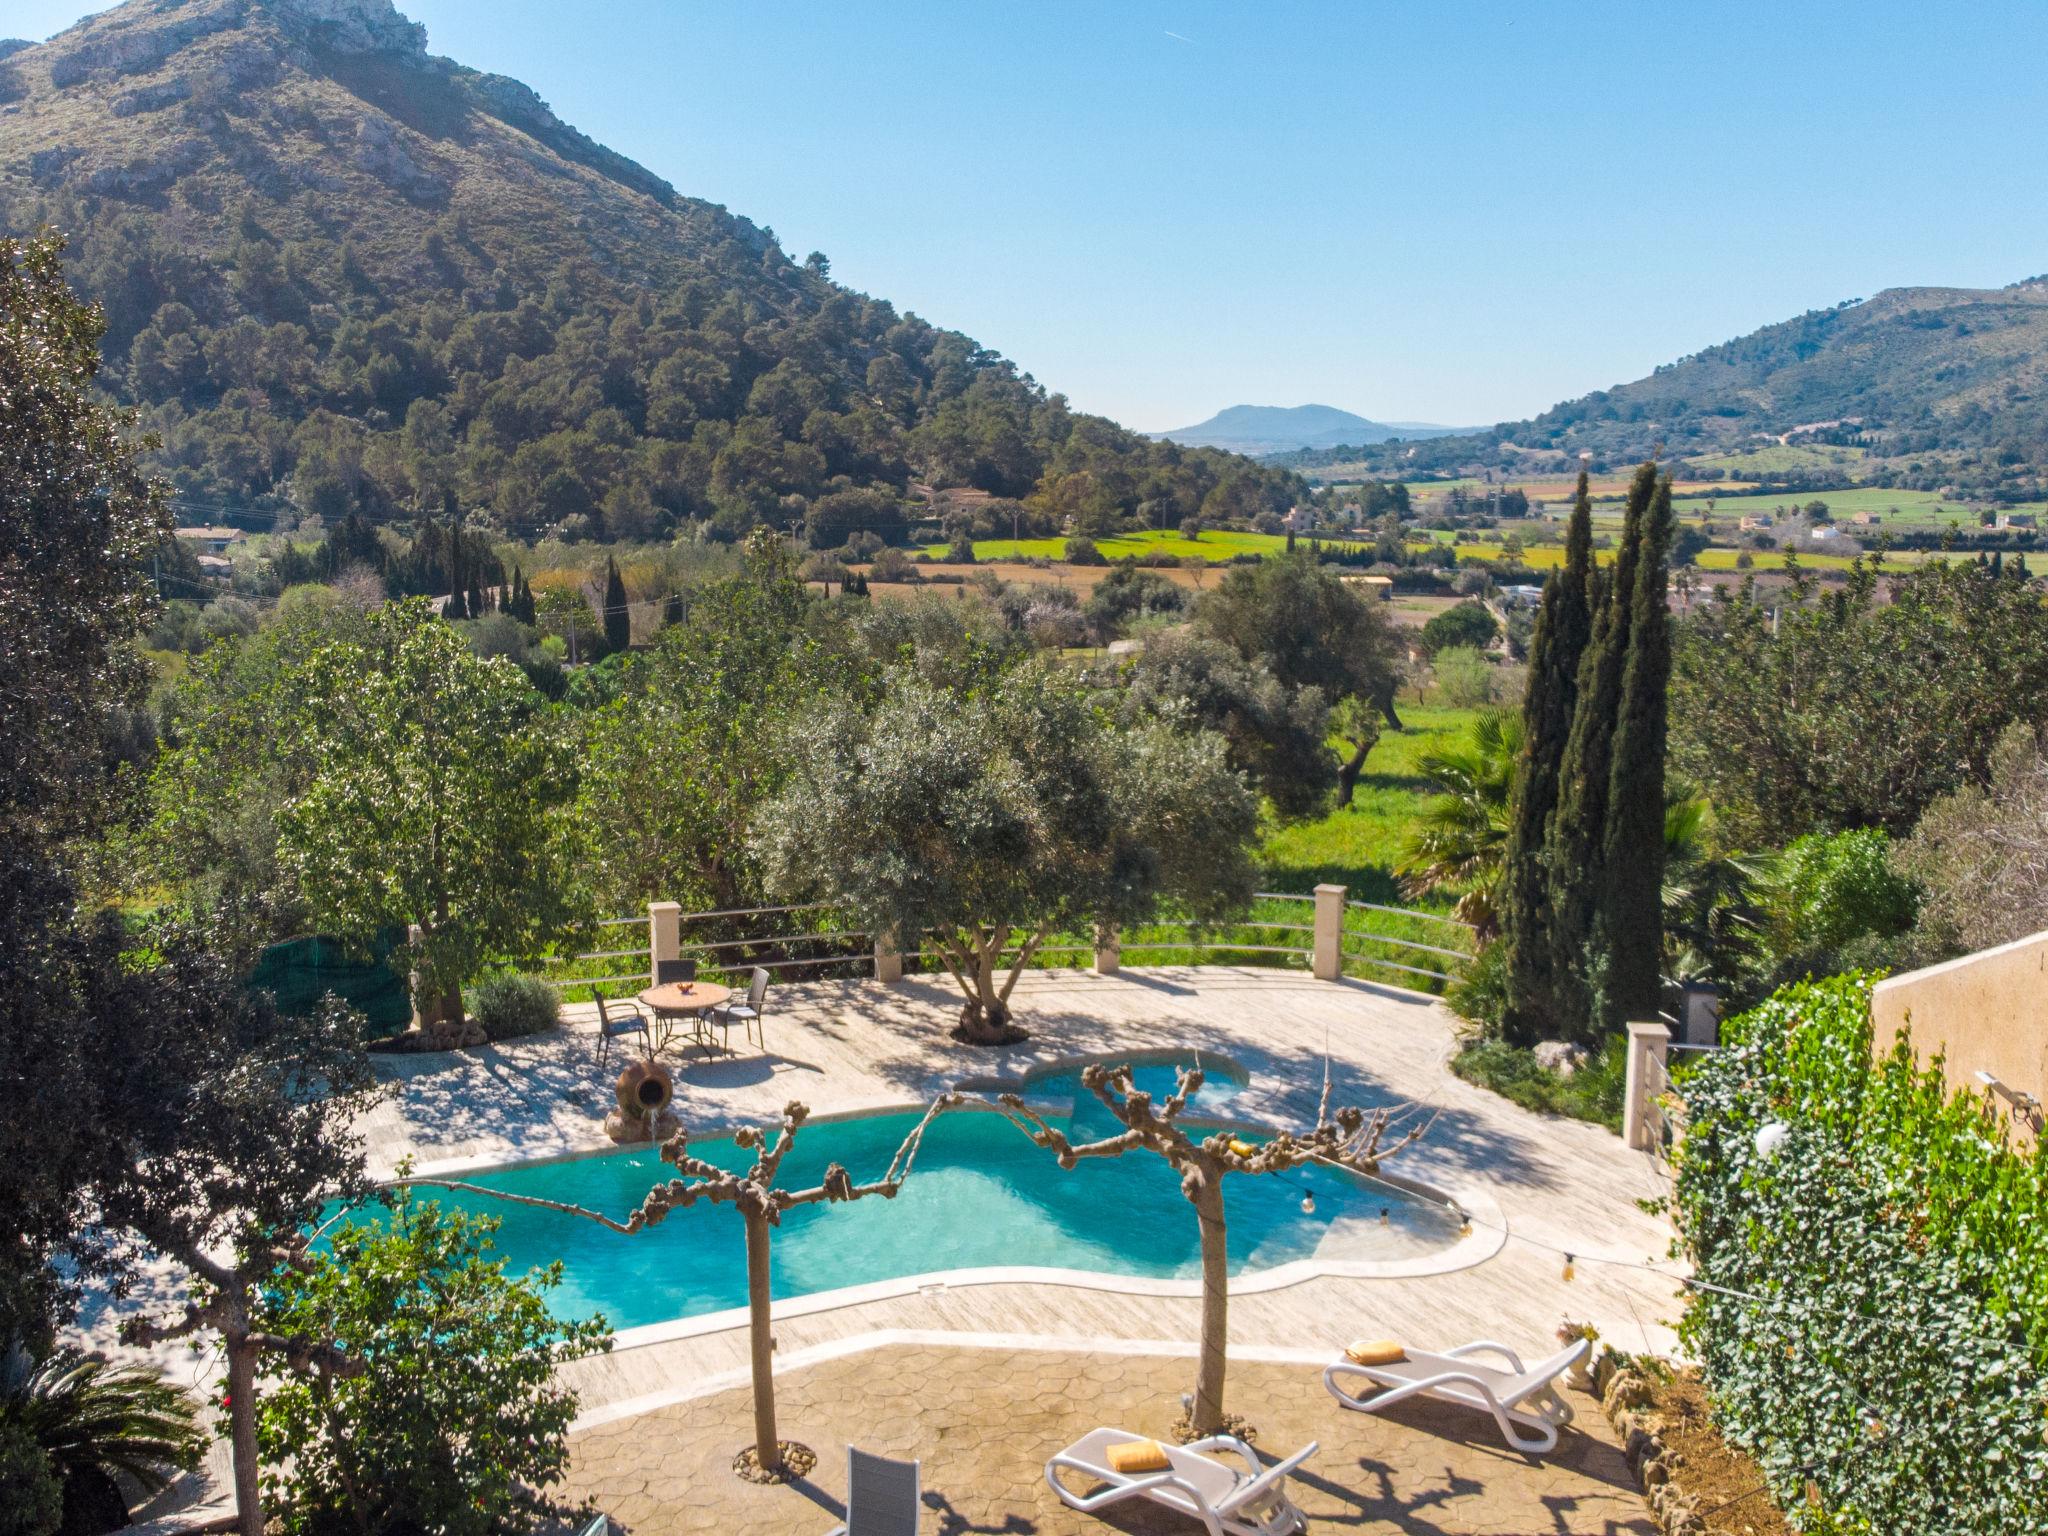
point(1006, 811)
point(436, 795)
point(1352, 1139)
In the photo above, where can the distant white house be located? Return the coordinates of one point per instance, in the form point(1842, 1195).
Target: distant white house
point(1381, 587)
point(2017, 520)
point(1822, 534)
point(216, 540)
point(1521, 597)
point(1298, 520)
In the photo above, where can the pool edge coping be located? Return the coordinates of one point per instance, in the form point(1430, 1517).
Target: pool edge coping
point(1489, 1233)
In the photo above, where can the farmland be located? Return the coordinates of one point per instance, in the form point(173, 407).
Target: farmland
point(1211, 546)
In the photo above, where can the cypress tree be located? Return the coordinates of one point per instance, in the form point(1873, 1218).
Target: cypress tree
point(618, 619)
point(1563, 624)
point(1577, 838)
point(1625, 954)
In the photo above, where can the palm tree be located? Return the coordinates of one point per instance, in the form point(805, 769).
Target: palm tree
point(93, 1419)
point(1462, 834)
point(1713, 917)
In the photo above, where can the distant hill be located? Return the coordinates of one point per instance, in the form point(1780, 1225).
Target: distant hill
point(1260, 429)
point(1914, 375)
point(343, 275)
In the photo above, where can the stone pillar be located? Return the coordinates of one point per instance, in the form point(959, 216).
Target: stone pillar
point(664, 936)
point(888, 958)
point(1109, 955)
point(1648, 1040)
point(1329, 952)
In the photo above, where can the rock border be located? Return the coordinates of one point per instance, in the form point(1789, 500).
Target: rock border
point(1622, 1392)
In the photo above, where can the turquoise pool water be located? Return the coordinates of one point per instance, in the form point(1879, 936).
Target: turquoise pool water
point(981, 1196)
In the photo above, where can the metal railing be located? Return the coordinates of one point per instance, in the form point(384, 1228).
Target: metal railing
point(1243, 936)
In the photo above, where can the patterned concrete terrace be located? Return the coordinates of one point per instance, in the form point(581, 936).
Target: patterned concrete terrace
point(982, 1422)
point(664, 1412)
point(855, 1047)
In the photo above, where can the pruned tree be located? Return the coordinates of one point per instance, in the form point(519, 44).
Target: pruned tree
point(1006, 809)
point(761, 1206)
point(1350, 1140)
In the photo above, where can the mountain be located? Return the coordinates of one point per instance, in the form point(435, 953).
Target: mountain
point(1912, 377)
point(341, 275)
point(1259, 429)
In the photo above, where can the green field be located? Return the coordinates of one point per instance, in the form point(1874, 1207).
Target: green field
point(1211, 546)
point(1359, 845)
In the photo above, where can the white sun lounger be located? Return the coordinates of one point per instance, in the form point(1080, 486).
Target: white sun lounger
point(1249, 1503)
point(1506, 1394)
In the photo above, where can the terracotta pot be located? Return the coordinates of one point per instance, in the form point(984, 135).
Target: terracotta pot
point(645, 1089)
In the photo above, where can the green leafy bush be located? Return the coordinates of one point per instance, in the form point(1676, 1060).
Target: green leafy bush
point(1835, 887)
point(1082, 551)
point(456, 1424)
point(1890, 1259)
point(31, 1499)
point(512, 1003)
point(1465, 678)
point(1594, 1092)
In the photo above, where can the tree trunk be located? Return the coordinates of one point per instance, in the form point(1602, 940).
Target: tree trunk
point(1349, 770)
point(1383, 699)
point(1207, 1415)
point(242, 1413)
point(767, 1446)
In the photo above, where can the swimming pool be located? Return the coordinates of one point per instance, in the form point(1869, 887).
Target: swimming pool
point(982, 1196)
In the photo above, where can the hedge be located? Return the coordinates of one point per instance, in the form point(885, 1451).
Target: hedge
point(1884, 1360)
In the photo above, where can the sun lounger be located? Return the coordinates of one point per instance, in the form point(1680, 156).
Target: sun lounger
point(1228, 1503)
point(881, 1496)
point(1527, 1397)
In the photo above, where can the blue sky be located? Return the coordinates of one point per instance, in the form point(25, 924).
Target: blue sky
point(1437, 210)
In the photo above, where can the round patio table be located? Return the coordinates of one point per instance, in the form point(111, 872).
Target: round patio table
point(686, 1000)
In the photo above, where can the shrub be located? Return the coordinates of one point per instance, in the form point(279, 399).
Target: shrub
point(1467, 624)
point(1983, 853)
point(1465, 679)
point(31, 1499)
point(892, 565)
point(456, 1422)
point(1889, 1261)
point(1084, 552)
point(511, 1004)
point(1834, 901)
point(1594, 1092)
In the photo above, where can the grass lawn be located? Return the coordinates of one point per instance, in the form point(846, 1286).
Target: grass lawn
point(1359, 845)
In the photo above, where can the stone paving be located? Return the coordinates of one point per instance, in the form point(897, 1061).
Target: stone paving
point(983, 1422)
point(852, 1047)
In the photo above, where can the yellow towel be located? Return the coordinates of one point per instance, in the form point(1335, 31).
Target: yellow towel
point(1375, 1352)
point(1138, 1456)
